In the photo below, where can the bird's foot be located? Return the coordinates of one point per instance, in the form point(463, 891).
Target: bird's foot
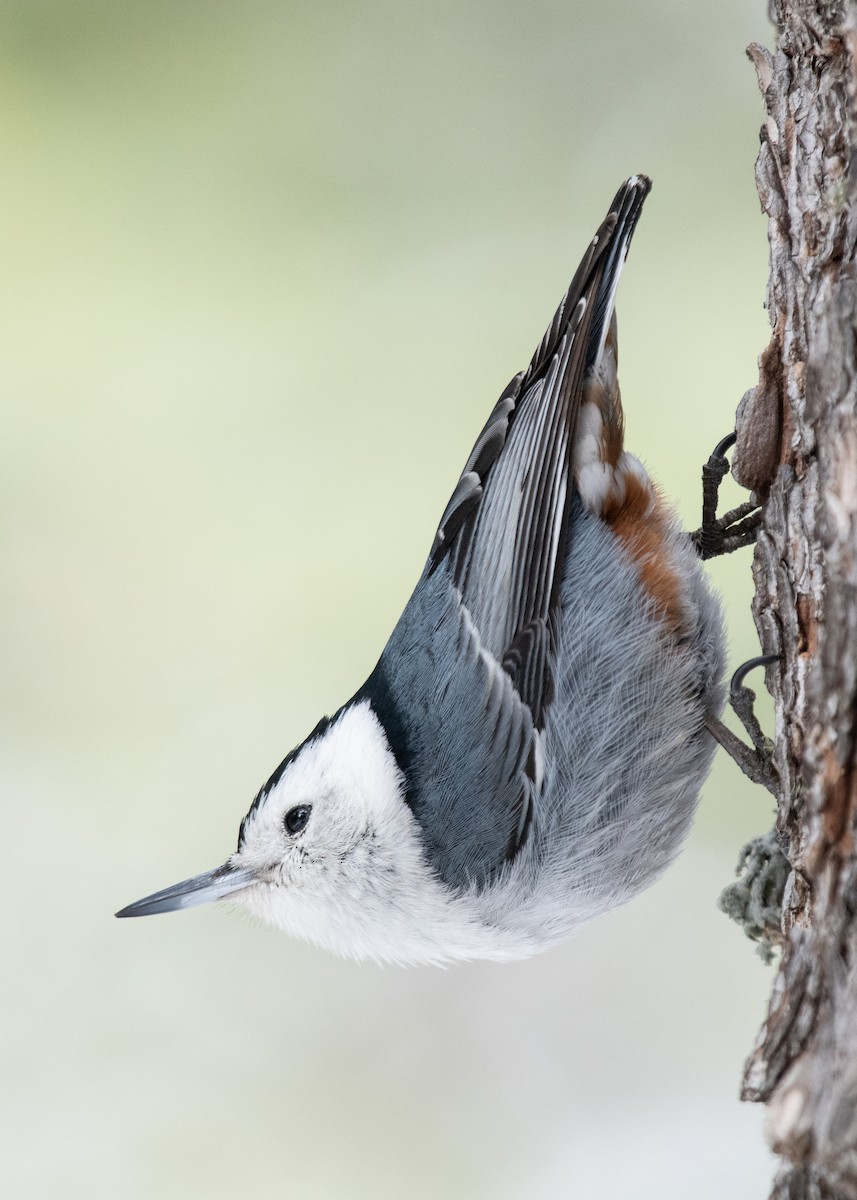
point(755, 761)
point(736, 528)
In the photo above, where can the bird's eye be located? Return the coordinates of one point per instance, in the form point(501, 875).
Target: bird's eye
point(296, 818)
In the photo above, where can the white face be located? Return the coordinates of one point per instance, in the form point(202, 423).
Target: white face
point(333, 843)
point(318, 811)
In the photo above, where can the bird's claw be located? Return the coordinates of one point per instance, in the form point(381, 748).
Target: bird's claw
point(736, 528)
point(755, 761)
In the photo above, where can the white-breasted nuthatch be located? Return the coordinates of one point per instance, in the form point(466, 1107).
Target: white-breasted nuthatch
point(529, 750)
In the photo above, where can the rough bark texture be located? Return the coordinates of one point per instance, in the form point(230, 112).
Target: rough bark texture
point(797, 444)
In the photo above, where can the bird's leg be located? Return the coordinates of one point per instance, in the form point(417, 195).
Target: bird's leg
point(736, 528)
point(742, 700)
point(755, 761)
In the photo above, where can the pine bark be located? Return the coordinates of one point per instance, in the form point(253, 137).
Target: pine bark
point(797, 448)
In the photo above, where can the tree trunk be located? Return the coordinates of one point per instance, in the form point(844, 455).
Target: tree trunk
point(797, 447)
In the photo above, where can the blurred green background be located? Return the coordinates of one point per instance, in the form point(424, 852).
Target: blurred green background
point(265, 268)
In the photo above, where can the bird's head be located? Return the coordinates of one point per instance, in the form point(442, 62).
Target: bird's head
point(326, 847)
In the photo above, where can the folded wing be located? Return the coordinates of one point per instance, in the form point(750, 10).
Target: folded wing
point(467, 677)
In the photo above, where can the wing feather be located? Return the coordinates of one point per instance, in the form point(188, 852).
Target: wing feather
point(505, 528)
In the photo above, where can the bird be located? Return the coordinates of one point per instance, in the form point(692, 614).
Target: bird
point(528, 752)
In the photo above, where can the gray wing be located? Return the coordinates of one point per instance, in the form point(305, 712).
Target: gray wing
point(504, 531)
point(463, 738)
point(464, 682)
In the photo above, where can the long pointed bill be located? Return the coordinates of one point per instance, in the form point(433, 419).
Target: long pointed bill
point(202, 889)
